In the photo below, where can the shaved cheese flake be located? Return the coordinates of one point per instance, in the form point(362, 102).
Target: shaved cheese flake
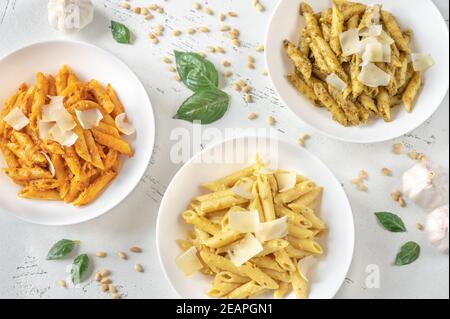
point(350, 42)
point(304, 266)
point(371, 31)
point(44, 129)
point(188, 262)
point(243, 222)
point(123, 125)
point(336, 82)
point(373, 76)
point(51, 167)
point(243, 190)
point(374, 15)
point(385, 38)
point(16, 119)
point(286, 181)
point(275, 229)
point(421, 61)
point(65, 138)
point(376, 52)
point(244, 250)
point(56, 112)
point(90, 118)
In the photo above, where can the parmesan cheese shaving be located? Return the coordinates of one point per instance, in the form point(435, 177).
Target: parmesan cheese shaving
point(244, 250)
point(243, 191)
point(336, 82)
point(371, 31)
point(275, 229)
point(16, 119)
point(304, 266)
point(376, 52)
point(286, 181)
point(123, 125)
point(188, 262)
point(51, 167)
point(243, 222)
point(421, 61)
point(350, 42)
point(65, 138)
point(373, 76)
point(56, 112)
point(89, 118)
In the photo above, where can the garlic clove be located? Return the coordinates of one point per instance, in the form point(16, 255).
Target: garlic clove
point(426, 184)
point(436, 228)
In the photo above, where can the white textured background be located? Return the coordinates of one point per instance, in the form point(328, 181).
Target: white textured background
point(24, 273)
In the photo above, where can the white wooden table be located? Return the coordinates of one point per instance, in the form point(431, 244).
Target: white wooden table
point(24, 273)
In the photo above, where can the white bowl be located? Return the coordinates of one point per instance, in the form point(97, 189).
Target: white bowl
point(430, 35)
point(89, 62)
point(336, 211)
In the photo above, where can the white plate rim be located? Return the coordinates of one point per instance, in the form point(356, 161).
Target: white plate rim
point(339, 138)
point(352, 231)
point(149, 154)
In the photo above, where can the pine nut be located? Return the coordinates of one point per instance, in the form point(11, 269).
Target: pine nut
point(196, 6)
point(386, 171)
point(138, 268)
point(224, 28)
point(167, 60)
point(105, 288)
point(248, 98)
point(125, 5)
point(98, 277)
point(137, 10)
point(122, 255)
point(191, 31)
point(62, 283)
point(222, 17)
point(232, 14)
point(105, 272)
point(208, 11)
point(259, 48)
point(176, 33)
point(112, 289)
point(252, 116)
point(115, 296)
point(105, 280)
point(271, 120)
point(100, 254)
point(227, 74)
point(226, 63)
point(203, 29)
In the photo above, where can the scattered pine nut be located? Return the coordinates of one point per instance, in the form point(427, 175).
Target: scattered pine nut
point(241, 83)
point(191, 31)
point(176, 33)
point(402, 202)
point(138, 268)
point(226, 63)
point(98, 276)
point(220, 50)
point(224, 28)
point(222, 17)
point(203, 29)
point(122, 255)
point(237, 87)
point(153, 7)
point(125, 5)
point(355, 181)
point(144, 11)
point(397, 148)
point(196, 6)
point(211, 49)
point(208, 11)
point(160, 27)
point(363, 174)
point(137, 10)
point(250, 59)
point(271, 120)
point(160, 10)
point(247, 89)
point(395, 195)
point(265, 73)
point(236, 42)
point(362, 187)
point(104, 287)
point(177, 78)
point(259, 48)
point(252, 116)
point(251, 66)
point(248, 98)
point(302, 140)
point(235, 32)
point(62, 283)
point(115, 296)
point(259, 7)
point(420, 226)
point(105, 280)
point(386, 171)
point(112, 289)
point(105, 273)
point(148, 16)
point(232, 14)
point(167, 60)
point(136, 249)
point(227, 74)
point(100, 254)
point(171, 68)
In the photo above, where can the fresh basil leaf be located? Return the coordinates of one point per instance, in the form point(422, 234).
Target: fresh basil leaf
point(391, 222)
point(120, 32)
point(408, 254)
point(79, 268)
point(61, 248)
point(205, 106)
point(196, 72)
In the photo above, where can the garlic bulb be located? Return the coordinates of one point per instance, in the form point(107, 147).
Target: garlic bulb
point(70, 16)
point(436, 227)
point(426, 184)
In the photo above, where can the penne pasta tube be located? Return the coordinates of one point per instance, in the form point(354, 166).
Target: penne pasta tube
point(259, 276)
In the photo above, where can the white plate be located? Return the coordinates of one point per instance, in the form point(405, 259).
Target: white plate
point(430, 35)
point(336, 211)
point(89, 62)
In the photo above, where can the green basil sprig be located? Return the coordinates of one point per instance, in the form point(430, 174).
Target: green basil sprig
point(120, 32)
point(61, 249)
point(408, 254)
point(80, 266)
point(391, 222)
point(207, 106)
point(209, 103)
